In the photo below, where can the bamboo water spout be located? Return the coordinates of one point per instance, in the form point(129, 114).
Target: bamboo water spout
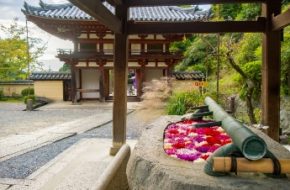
point(251, 146)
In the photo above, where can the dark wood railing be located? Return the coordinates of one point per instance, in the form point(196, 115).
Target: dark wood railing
point(111, 51)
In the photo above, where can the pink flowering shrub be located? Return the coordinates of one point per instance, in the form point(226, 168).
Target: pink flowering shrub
point(182, 140)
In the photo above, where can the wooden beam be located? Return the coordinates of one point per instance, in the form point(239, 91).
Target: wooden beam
point(271, 69)
point(197, 27)
point(281, 21)
point(97, 10)
point(115, 2)
point(120, 84)
point(134, 3)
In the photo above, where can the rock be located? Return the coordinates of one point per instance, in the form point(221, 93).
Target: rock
point(284, 139)
point(29, 105)
point(285, 115)
point(149, 168)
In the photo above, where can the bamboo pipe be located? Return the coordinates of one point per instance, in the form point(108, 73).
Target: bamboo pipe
point(265, 165)
point(252, 146)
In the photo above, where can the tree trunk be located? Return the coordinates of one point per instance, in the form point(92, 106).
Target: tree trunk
point(250, 107)
point(288, 79)
point(250, 88)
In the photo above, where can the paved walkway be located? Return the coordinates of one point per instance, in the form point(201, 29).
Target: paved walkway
point(79, 167)
point(27, 152)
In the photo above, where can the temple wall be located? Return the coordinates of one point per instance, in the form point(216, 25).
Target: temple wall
point(49, 89)
point(14, 89)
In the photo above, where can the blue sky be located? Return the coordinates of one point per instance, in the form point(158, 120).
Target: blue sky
point(12, 8)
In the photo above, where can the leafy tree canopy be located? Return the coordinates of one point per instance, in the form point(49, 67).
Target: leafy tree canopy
point(14, 56)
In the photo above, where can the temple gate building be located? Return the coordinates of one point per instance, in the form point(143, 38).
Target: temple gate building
point(91, 60)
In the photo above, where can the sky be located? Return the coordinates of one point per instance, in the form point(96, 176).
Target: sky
point(12, 9)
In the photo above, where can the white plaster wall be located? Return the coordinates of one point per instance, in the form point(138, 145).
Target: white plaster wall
point(90, 80)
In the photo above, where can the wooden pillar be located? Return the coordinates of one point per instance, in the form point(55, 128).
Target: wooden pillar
point(73, 83)
point(80, 82)
point(139, 80)
point(101, 83)
point(271, 71)
point(101, 44)
point(170, 65)
point(120, 82)
point(106, 83)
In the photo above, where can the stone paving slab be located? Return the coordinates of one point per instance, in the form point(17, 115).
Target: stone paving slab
point(4, 187)
point(9, 181)
point(18, 144)
point(79, 167)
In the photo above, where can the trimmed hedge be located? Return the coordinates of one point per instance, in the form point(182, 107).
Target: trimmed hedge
point(27, 91)
point(1, 94)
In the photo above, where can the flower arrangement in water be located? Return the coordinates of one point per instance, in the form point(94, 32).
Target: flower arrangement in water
point(184, 141)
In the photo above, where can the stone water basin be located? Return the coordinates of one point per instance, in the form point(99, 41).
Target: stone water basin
point(150, 168)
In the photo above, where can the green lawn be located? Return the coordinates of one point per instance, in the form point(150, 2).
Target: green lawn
point(12, 99)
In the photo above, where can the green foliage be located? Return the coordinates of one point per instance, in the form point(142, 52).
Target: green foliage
point(65, 68)
point(246, 49)
point(182, 102)
point(27, 91)
point(285, 2)
point(247, 11)
point(253, 71)
point(285, 66)
point(226, 11)
point(14, 58)
point(181, 46)
point(200, 52)
point(32, 97)
point(198, 67)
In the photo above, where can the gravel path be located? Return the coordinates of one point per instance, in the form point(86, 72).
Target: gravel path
point(15, 121)
point(20, 167)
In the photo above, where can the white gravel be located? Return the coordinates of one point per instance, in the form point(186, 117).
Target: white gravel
point(15, 121)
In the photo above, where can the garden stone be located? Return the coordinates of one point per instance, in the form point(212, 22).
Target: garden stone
point(29, 105)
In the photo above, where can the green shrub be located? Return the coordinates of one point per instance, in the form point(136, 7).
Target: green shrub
point(183, 102)
point(1, 94)
point(29, 97)
point(27, 91)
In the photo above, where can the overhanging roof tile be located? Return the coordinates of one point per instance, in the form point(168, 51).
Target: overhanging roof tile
point(149, 14)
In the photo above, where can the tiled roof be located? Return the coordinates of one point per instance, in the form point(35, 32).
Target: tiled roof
point(50, 76)
point(157, 13)
point(16, 82)
point(195, 75)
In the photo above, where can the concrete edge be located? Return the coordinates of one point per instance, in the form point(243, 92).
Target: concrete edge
point(115, 174)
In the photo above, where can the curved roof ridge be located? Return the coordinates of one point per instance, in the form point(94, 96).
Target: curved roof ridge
point(46, 6)
point(29, 8)
point(157, 13)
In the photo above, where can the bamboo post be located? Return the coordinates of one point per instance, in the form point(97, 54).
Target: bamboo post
point(265, 165)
